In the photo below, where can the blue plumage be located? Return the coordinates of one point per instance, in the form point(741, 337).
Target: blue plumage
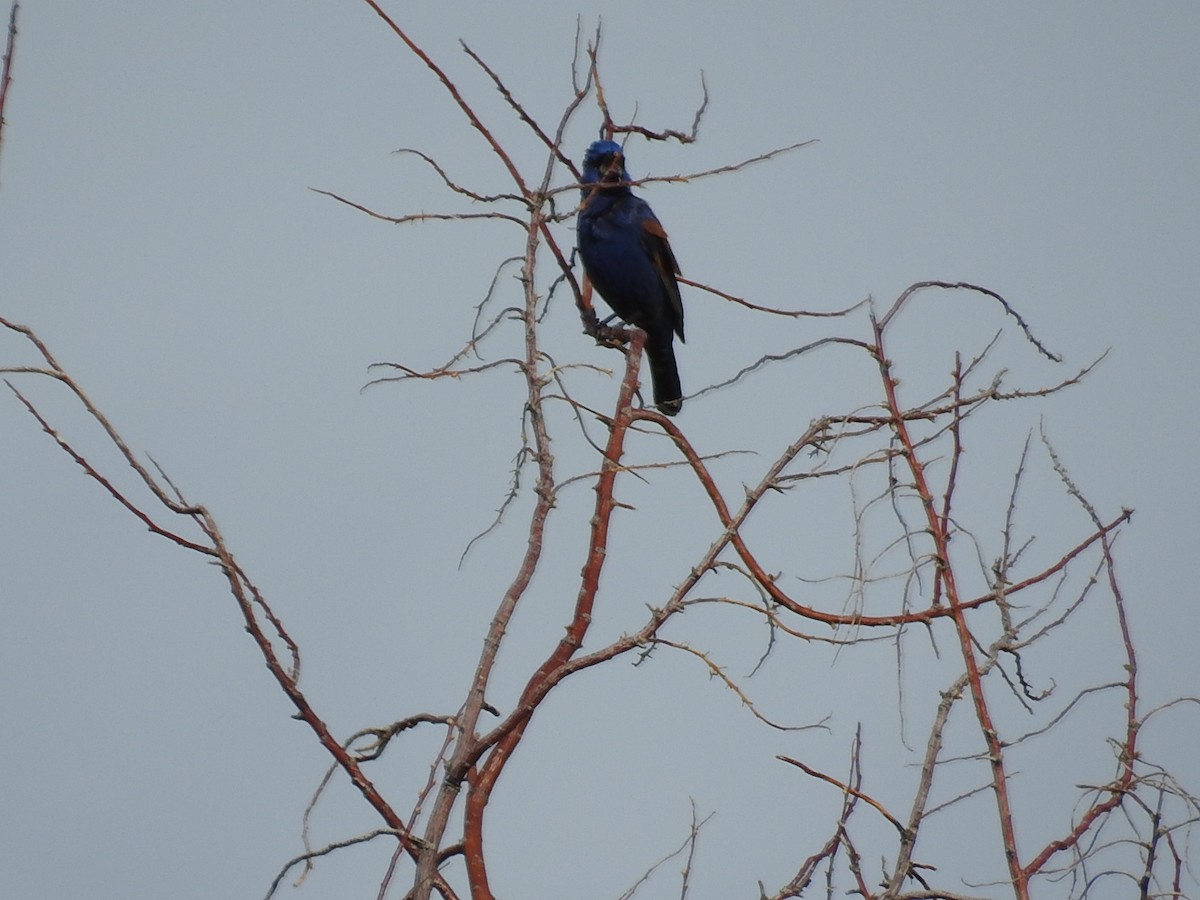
point(629, 261)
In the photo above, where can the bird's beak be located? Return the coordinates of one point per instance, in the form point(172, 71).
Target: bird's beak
point(611, 173)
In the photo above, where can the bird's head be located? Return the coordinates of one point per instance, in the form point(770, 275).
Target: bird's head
point(604, 164)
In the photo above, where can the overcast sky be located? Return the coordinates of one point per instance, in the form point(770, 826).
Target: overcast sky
point(158, 231)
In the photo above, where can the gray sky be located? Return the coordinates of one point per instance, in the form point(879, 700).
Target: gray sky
point(156, 228)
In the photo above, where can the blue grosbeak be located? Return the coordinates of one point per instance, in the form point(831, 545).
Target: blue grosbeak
point(626, 255)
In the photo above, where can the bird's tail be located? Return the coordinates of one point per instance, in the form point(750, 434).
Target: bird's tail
point(668, 392)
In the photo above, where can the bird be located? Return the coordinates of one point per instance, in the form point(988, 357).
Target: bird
point(629, 261)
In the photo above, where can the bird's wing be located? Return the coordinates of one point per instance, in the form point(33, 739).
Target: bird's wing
point(654, 239)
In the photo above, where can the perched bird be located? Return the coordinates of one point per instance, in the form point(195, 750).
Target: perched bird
point(627, 257)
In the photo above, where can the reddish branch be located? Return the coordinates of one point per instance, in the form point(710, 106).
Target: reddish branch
point(733, 522)
point(946, 577)
point(247, 596)
point(853, 791)
point(912, 289)
point(454, 93)
point(104, 482)
point(551, 671)
point(305, 712)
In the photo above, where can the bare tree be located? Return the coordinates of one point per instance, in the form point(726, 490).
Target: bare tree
point(922, 578)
